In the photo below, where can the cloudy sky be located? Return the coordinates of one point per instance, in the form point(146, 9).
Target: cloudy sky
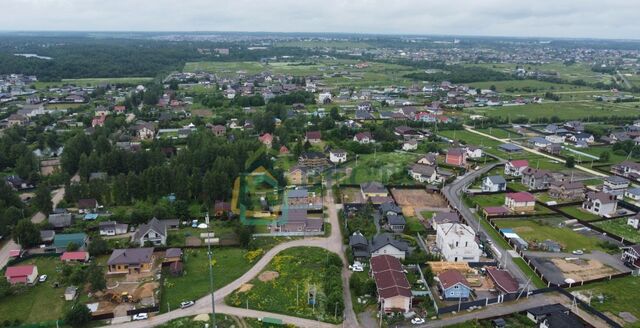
point(549, 18)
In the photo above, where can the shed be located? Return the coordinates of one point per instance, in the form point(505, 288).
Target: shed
point(70, 293)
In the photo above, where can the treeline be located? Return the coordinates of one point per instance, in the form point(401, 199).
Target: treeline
point(461, 74)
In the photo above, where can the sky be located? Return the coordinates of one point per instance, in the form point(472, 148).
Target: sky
point(614, 19)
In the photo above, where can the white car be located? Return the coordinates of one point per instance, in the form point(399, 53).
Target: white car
point(43, 278)
point(417, 321)
point(356, 268)
point(140, 316)
point(187, 304)
point(577, 252)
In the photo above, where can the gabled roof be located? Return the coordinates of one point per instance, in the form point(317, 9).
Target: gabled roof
point(497, 179)
point(449, 278)
point(154, 224)
point(389, 277)
point(385, 239)
point(519, 163)
point(131, 256)
point(74, 256)
point(373, 187)
point(19, 270)
point(521, 196)
point(503, 280)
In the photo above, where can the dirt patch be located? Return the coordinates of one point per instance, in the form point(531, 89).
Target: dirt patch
point(268, 276)
point(582, 269)
point(411, 199)
point(245, 288)
point(145, 290)
point(193, 241)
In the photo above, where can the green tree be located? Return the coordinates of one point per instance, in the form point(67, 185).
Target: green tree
point(95, 277)
point(98, 246)
point(605, 156)
point(42, 199)
point(571, 162)
point(72, 247)
point(78, 315)
point(26, 233)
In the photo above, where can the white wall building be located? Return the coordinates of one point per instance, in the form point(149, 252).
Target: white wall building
point(457, 243)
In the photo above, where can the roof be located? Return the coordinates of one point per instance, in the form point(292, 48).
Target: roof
point(496, 210)
point(173, 252)
point(519, 163)
point(390, 207)
point(510, 147)
point(449, 278)
point(455, 152)
point(497, 179)
point(131, 256)
point(74, 256)
point(396, 220)
point(47, 234)
point(373, 187)
point(603, 197)
point(389, 278)
point(313, 135)
point(503, 280)
point(567, 185)
point(60, 220)
point(521, 196)
point(358, 239)
point(19, 271)
point(385, 239)
point(298, 193)
point(547, 309)
point(616, 179)
point(154, 224)
point(564, 320)
point(445, 217)
point(64, 239)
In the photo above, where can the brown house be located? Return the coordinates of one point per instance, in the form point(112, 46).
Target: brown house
point(566, 190)
point(130, 260)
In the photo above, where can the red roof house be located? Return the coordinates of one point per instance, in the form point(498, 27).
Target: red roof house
point(503, 280)
point(313, 136)
point(22, 274)
point(394, 290)
point(266, 139)
point(75, 256)
point(456, 157)
point(284, 150)
point(520, 201)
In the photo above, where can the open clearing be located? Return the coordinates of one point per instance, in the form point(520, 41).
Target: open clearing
point(580, 270)
point(411, 199)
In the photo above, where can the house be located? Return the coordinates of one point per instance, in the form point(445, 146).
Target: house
point(615, 185)
point(77, 256)
point(492, 211)
point(566, 190)
point(296, 220)
point(17, 183)
point(574, 126)
point(389, 208)
point(453, 285)
point(443, 217)
point(324, 98)
point(219, 130)
point(627, 169)
point(457, 243)
point(556, 138)
point(283, 150)
point(424, 173)
point(503, 280)
point(515, 168)
point(538, 314)
point(373, 189)
point(410, 145)
point(520, 201)
point(550, 246)
point(405, 132)
point(473, 152)
point(60, 220)
point(112, 228)
point(562, 320)
point(221, 208)
point(172, 255)
point(50, 166)
point(359, 246)
point(600, 203)
point(494, 183)
point(22, 274)
point(538, 142)
point(429, 159)
point(62, 240)
point(153, 232)
point(337, 156)
point(87, 205)
point(631, 256)
point(266, 139)
point(17, 120)
point(396, 222)
point(145, 130)
point(47, 236)
point(456, 157)
point(392, 286)
point(386, 244)
point(312, 159)
point(363, 138)
point(632, 193)
point(536, 179)
point(70, 293)
point(130, 260)
point(297, 175)
point(98, 121)
point(582, 137)
point(510, 148)
point(313, 137)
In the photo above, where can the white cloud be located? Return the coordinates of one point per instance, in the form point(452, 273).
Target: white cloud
point(553, 18)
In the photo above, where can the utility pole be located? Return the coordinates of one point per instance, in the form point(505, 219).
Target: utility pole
point(213, 299)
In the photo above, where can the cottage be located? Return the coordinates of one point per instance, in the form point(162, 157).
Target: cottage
point(453, 285)
point(494, 183)
point(632, 193)
point(297, 175)
point(631, 256)
point(473, 152)
point(410, 145)
point(70, 293)
point(78, 256)
point(536, 179)
point(566, 190)
point(153, 232)
point(429, 159)
point(457, 243)
point(219, 130)
point(515, 168)
point(424, 173)
point(392, 286)
point(47, 236)
point(172, 255)
point(503, 280)
point(363, 138)
point(615, 185)
point(61, 241)
point(359, 246)
point(312, 160)
point(538, 314)
point(313, 137)
point(600, 203)
point(439, 218)
point(145, 130)
point(60, 220)
point(112, 228)
point(22, 274)
point(373, 189)
point(396, 222)
point(628, 169)
point(88, 205)
point(510, 148)
point(337, 156)
point(538, 142)
point(456, 157)
point(266, 139)
point(520, 202)
point(130, 260)
point(386, 244)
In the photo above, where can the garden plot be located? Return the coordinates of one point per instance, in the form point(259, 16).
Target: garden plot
point(411, 199)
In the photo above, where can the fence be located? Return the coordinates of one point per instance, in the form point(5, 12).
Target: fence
point(289, 234)
point(144, 310)
point(103, 316)
point(590, 309)
point(44, 324)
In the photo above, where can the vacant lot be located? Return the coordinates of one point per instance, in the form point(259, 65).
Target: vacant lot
point(385, 168)
point(579, 213)
point(620, 295)
point(538, 230)
point(564, 110)
point(620, 228)
point(412, 199)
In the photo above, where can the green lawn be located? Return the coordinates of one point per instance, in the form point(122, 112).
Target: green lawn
point(414, 225)
point(528, 86)
point(620, 228)
point(564, 110)
point(382, 167)
point(38, 303)
point(535, 280)
point(579, 213)
point(299, 270)
point(538, 230)
point(229, 264)
point(620, 295)
point(95, 81)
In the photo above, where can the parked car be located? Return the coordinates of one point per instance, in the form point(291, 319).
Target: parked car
point(140, 316)
point(417, 321)
point(356, 268)
point(187, 304)
point(43, 278)
point(577, 252)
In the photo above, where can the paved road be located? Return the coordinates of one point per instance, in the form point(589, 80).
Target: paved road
point(10, 245)
point(332, 243)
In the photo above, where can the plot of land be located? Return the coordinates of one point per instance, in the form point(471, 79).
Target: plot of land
point(620, 228)
point(564, 110)
point(385, 168)
point(580, 270)
point(539, 230)
point(619, 295)
point(579, 213)
point(411, 199)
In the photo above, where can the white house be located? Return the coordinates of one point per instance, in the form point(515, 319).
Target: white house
point(633, 193)
point(410, 145)
point(154, 232)
point(515, 168)
point(386, 244)
point(600, 203)
point(457, 243)
point(473, 152)
point(634, 221)
point(337, 156)
point(324, 97)
point(555, 138)
point(112, 228)
point(363, 138)
point(494, 183)
point(424, 173)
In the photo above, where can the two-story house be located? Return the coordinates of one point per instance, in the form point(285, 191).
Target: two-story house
point(457, 243)
point(600, 203)
point(153, 232)
point(494, 183)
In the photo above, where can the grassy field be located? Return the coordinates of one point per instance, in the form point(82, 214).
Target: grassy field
point(229, 264)
point(38, 303)
point(564, 110)
point(380, 167)
point(299, 270)
point(620, 228)
point(538, 230)
point(578, 71)
point(620, 295)
point(535, 86)
point(95, 81)
point(579, 213)
point(414, 225)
